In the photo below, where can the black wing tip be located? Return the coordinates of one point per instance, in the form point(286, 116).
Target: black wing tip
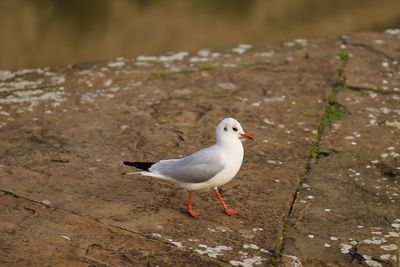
point(139, 165)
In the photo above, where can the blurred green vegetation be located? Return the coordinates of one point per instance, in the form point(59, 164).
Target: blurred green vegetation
point(55, 32)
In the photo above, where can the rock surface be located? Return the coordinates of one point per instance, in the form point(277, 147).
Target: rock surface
point(318, 187)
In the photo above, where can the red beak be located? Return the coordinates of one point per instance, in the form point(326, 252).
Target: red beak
point(247, 136)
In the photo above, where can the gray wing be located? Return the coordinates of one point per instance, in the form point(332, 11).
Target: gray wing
point(196, 168)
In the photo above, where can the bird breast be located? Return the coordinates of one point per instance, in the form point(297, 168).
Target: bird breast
point(233, 155)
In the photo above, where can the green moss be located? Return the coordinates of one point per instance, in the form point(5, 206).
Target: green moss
point(249, 64)
point(317, 152)
point(343, 56)
point(332, 114)
point(273, 260)
point(158, 74)
point(8, 193)
point(253, 64)
point(186, 71)
point(339, 84)
point(208, 67)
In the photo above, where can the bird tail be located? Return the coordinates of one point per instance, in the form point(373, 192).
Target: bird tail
point(145, 166)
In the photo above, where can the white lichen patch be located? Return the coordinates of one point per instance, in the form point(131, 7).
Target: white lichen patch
point(274, 99)
point(269, 53)
point(229, 65)
point(24, 94)
point(393, 31)
point(88, 97)
point(19, 85)
point(250, 246)
point(263, 250)
point(45, 202)
point(274, 162)
point(345, 248)
point(223, 229)
point(66, 237)
point(176, 243)
point(33, 99)
point(289, 44)
point(248, 262)
point(393, 124)
point(372, 263)
point(375, 240)
point(212, 252)
point(390, 247)
point(116, 64)
point(393, 234)
point(243, 253)
point(241, 48)
point(302, 42)
point(146, 58)
point(157, 235)
point(6, 75)
point(396, 225)
point(173, 57)
point(198, 59)
point(268, 121)
point(388, 257)
point(226, 85)
point(295, 262)
point(4, 113)
point(204, 52)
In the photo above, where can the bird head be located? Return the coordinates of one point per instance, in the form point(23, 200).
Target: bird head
point(231, 128)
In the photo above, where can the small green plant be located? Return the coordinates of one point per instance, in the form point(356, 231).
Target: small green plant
point(186, 71)
point(8, 193)
point(274, 260)
point(317, 152)
point(343, 56)
point(339, 84)
point(158, 74)
point(249, 64)
point(207, 67)
point(331, 114)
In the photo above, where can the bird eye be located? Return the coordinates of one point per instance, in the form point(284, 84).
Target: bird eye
point(234, 129)
point(225, 129)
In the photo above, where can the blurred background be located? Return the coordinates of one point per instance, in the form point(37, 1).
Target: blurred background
point(35, 33)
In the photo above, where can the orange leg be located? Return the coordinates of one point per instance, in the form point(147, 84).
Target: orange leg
point(189, 206)
point(226, 209)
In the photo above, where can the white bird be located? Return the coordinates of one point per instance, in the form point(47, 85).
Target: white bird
point(208, 168)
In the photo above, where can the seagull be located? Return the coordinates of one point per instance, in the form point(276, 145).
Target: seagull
point(210, 167)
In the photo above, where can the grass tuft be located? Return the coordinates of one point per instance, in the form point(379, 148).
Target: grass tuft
point(8, 193)
point(274, 260)
point(158, 74)
point(208, 67)
point(343, 56)
point(331, 114)
point(317, 152)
